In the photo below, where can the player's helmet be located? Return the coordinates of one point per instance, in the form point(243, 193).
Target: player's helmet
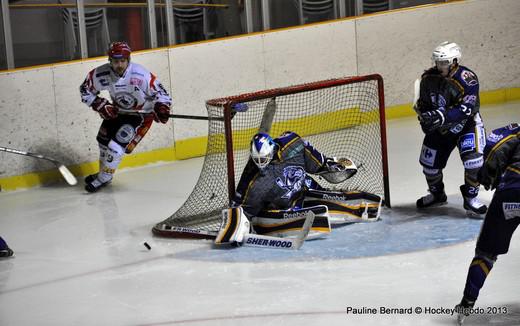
point(119, 50)
point(262, 149)
point(444, 55)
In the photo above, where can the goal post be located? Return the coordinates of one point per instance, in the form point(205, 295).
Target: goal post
point(340, 117)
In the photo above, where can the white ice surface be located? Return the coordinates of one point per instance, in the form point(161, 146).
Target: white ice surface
point(80, 258)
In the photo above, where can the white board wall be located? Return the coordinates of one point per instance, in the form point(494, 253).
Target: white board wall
point(399, 45)
point(41, 111)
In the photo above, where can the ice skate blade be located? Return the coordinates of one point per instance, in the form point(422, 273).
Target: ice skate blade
point(336, 221)
point(474, 215)
point(460, 319)
point(433, 205)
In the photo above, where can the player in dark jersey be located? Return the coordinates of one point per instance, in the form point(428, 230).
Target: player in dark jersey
point(276, 191)
point(450, 118)
point(501, 171)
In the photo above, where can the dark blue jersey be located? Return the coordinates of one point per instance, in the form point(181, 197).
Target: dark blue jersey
point(502, 158)
point(282, 183)
point(469, 103)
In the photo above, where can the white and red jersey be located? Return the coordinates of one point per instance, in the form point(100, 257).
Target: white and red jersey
point(137, 89)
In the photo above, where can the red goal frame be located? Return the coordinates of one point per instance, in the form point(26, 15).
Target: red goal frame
point(227, 103)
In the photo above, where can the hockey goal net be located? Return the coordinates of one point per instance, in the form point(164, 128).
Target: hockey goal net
point(340, 118)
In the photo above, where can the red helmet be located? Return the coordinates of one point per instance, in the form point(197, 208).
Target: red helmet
point(119, 50)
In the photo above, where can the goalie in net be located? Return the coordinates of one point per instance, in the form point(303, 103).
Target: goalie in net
point(276, 190)
point(342, 117)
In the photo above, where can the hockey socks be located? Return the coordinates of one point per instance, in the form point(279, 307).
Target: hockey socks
point(477, 273)
point(109, 159)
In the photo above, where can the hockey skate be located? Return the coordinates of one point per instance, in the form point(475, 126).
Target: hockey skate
point(463, 310)
point(474, 208)
point(90, 178)
point(93, 184)
point(7, 252)
point(432, 200)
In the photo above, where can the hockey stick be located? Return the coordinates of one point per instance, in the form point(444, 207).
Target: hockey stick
point(264, 241)
point(176, 116)
point(268, 116)
point(183, 232)
point(67, 175)
point(416, 93)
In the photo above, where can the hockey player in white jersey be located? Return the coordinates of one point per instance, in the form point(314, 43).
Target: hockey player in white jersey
point(131, 88)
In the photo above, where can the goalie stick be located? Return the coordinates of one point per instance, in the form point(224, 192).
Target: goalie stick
point(268, 116)
point(67, 175)
point(264, 241)
point(250, 240)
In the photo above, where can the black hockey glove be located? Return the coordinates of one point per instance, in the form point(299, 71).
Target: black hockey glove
point(431, 120)
point(486, 179)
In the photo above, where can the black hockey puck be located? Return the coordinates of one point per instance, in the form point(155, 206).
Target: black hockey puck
point(147, 246)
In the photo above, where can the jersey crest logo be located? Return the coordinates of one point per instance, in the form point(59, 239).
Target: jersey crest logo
point(293, 180)
point(469, 78)
point(125, 100)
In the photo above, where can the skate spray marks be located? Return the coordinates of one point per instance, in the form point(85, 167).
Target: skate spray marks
point(401, 229)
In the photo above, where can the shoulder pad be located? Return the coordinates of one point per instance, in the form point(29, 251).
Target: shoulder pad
point(138, 70)
point(286, 137)
point(466, 76)
point(102, 70)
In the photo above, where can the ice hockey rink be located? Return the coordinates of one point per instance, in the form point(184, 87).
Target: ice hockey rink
point(80, 258)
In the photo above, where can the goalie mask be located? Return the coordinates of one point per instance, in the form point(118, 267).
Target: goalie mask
point(444, 56)
point(263, 148)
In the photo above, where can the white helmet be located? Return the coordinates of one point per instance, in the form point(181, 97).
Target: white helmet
point(262, 149)
point(444, 55)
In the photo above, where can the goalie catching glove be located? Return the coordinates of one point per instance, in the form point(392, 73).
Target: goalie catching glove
point(105, 109)
point(338, 170)
point(161, 112)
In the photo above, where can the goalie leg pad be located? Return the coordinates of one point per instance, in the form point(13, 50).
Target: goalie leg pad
point(346, 206)
point(289, 223)
point(235, 225)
